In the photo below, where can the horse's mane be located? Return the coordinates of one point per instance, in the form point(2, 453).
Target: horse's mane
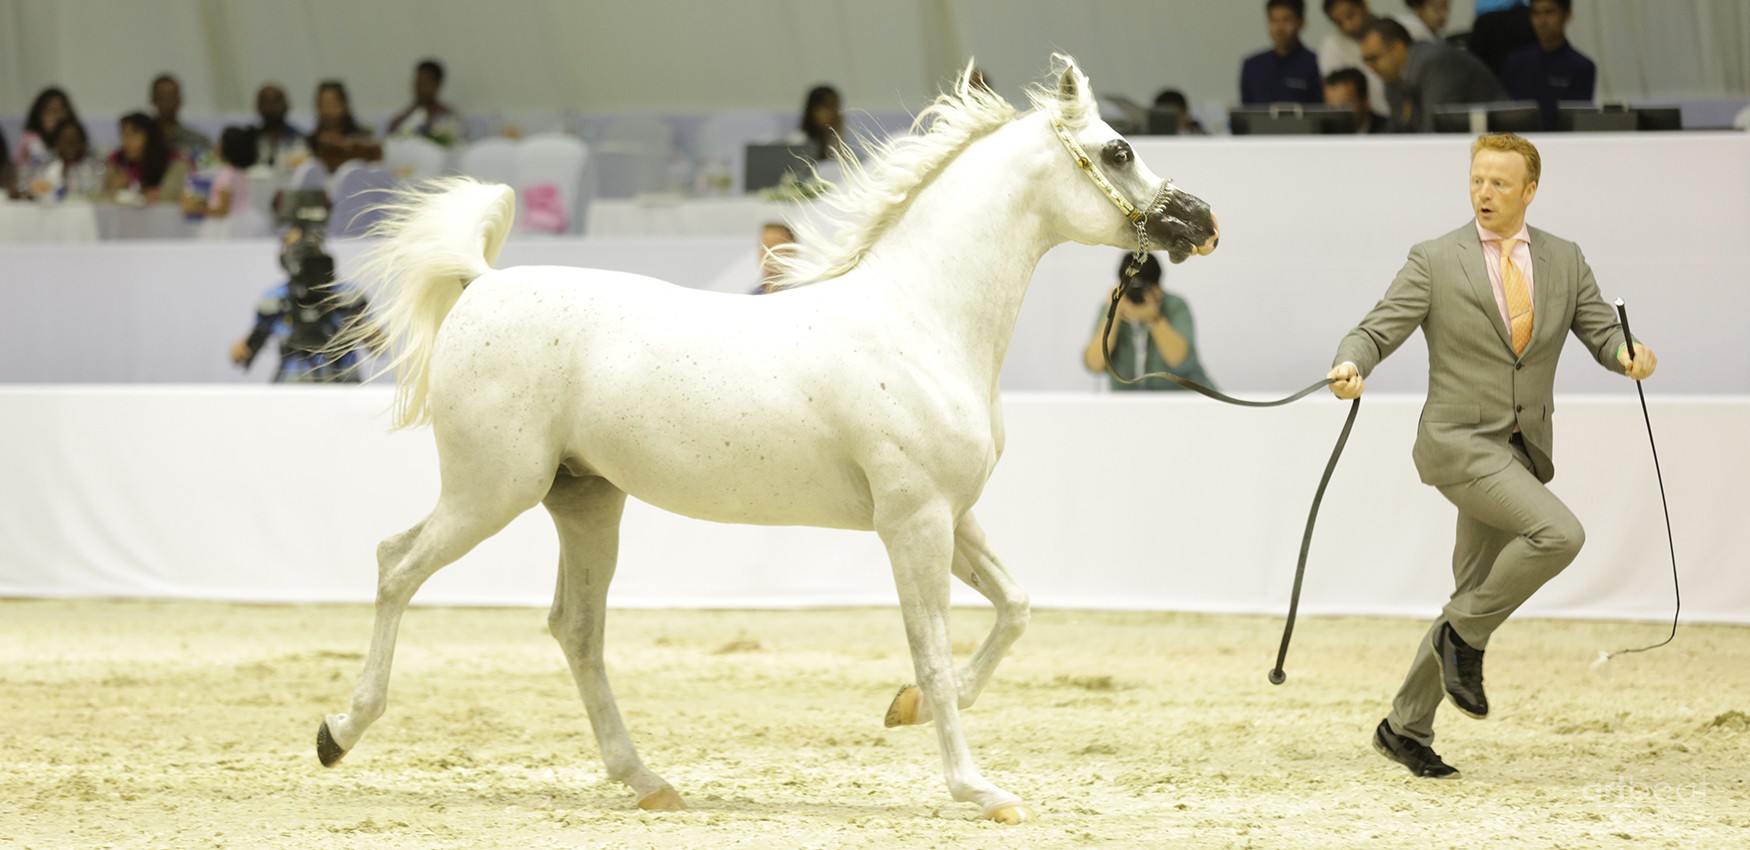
point(869, 199)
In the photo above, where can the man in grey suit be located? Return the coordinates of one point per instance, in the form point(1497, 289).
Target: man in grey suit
point(1420, 75)
point(1495, 301)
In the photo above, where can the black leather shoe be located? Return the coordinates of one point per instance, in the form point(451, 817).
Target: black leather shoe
point(1461, 672)
point(1421, 760)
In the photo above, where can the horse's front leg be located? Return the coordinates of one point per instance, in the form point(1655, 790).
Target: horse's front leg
point(920, 540)
point(975, 564)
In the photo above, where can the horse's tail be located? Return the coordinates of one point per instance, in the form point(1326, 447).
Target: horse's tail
point(436, 238)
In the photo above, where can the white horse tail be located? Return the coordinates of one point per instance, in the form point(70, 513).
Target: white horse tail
point(436, 238)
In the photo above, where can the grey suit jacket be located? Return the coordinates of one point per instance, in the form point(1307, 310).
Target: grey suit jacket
point(1478, 390)
point(1438, 75)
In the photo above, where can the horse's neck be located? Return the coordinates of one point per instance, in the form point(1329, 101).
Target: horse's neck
point(959, 260)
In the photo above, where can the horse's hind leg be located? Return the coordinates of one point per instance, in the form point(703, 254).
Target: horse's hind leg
point(475, 505)
point(587, 514)
point(975, 564)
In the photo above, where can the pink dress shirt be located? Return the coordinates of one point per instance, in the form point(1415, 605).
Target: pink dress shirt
point(1521, 258)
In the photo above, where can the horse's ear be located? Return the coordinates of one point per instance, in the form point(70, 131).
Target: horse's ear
point(1074, 97)
point(1068, 89)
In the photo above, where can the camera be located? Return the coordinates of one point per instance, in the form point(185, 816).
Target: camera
point(1136, 286)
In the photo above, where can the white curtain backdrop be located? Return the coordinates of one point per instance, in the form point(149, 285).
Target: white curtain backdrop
point(690, 55)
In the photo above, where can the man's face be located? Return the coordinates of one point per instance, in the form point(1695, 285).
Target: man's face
point(166, 98)
point(425, 86)
point(1435, 14)
point(1344, 95)
point(1351, 16)
point(1387, 58)
point(1284, 26)
point(1550, 23)
point(270, 104)
point(1499, 192)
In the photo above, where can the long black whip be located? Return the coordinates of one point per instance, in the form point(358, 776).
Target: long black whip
point(1676, 587)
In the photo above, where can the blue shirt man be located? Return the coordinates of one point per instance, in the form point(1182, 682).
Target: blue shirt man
point(1288, 72)
point(1551, 70)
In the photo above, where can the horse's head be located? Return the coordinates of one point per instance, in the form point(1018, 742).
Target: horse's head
point(1111, 197)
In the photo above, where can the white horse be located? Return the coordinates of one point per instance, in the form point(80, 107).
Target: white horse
point(867, 400)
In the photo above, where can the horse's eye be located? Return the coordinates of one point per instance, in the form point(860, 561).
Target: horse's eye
point(1118, 153)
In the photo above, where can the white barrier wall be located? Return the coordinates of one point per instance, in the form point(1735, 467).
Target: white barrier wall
point(1313, 230)
point(281, 494)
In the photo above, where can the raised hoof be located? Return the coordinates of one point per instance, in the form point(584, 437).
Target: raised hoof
point(1011, 813)
point(663, 799)
point(903, 711)
point(327, 751)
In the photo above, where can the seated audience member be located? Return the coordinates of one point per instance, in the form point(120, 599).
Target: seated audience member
point(1347, 87)
point(1152, 332)
point(1421, 77)
point(8, 171)
point(74, 172)
point(428, 116)
point(1342, 49)
point(167, 101)
point(774, 235)
point(1425, 18)
point(1550, 70)
point(338, 137)
point(1175, 99)
point(226, 206)
point(1287, 72)
point(279, 145)
point(1501, 28)
point(47, 111)
point(144, 164)
point(822, 127)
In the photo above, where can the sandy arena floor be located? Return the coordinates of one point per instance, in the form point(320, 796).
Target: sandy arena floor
point(188, 725)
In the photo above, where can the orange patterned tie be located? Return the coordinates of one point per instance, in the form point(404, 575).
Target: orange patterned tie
point(1518, 297)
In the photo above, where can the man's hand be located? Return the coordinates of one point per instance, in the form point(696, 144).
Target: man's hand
point(1642, 365)
point(1147, 311)
point(1347, 381)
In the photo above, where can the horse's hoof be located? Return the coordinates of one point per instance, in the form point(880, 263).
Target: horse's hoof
point(1011, 813)
point(329, 752)
point(663, 799)
point(903, 711)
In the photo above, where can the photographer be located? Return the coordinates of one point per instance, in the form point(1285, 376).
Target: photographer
point(1153, 333)
point(308, 311)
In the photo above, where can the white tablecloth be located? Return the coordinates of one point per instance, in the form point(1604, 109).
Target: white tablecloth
point(27, 221)
point(659, 216)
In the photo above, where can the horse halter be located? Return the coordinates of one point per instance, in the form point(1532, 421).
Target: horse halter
point(1138, 216)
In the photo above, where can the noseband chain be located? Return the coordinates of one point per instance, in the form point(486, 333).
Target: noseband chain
point(1138, 217)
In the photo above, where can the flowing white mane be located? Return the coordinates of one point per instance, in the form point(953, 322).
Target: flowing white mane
point(869, 199)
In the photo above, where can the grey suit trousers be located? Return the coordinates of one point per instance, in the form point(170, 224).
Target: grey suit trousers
point(1513, 536)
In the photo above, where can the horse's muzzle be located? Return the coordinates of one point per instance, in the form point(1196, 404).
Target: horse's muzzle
point(1184, 226)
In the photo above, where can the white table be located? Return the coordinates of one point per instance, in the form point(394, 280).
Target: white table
point(79, 221)
point(671, 216)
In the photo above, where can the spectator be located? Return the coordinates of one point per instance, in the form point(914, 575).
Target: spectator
point(822, 127)
point(1551, 70)
point(225, 207)
point(74, 172)
point(774, 235)
point(1287, 72)
point(167, 101)
point(279, 145)
point(1153, 332)
point(338, 137)
point(1175, 100)
point(428, 116)
point(1424, 76)
point(1348, 87)
point(1342, 49)
point(144, 163)
point(1425, 19)
point(1501, 28)
point(47, 111)
point(8, 172)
